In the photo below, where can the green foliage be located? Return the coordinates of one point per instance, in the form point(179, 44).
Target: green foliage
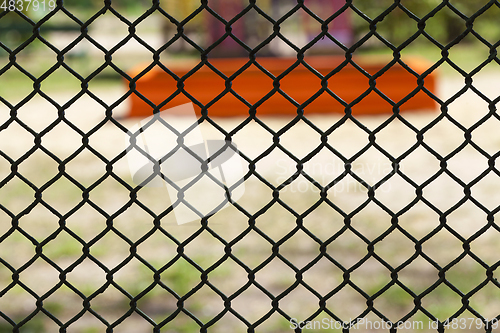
point(442, 23)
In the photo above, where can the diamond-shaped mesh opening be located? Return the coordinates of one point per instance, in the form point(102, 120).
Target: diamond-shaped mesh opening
point(15, 30)
point(419, 221)
point(107, 30)
point(256, 196)
point(134, 223)
point(229, 277)
point(52, 140)
point(16, 196)
point(390, 32)
point(132, 53)
point(253, 303)
point(421, 46)
point(482, 22)
point(14, 85)
point(439, 301)
point(303, 243)
point(87, 277)
point(63, 249)
point(392, 296)
point(301, 188)
point(323, 276)
point(108, 203)
point(24, 249)
point(157, 249)
point(105, 78)
point(347, 249)
point(372, 221)
point(344, 215)
point(453, 248)
point(289, 140)
point(87, 321)
point(396, 186)
point(100, 145)
point(299, 302)
point(51, 30)
point(110, 250)
point(444, 127)
point(443, 192)
point(201, 304)
point(85, 57)
point(260, 29)
point(444, 34)
point(63, 195)
point(46, 57)
point(483, 245)
point(412, 165)
point(342, 138)
point(214, 250)
point(395, 249)
point(86, 223)
point(469, 108)
point(489, 293)
point(72, 304)
point(486, 135)
point(157, 201)
point(252, 241)
point(94, 168)
point(476, 274)
point(487, 195)
point(418, 275)
point(372, 166)
point(85, 113)
point(468, 64)
point(39, 168)
point(465, 219)
point(405, 134)
point(372, 267)
point(37, 113)
point(110, 298)
point(39, 223)
point(17, 303)
point(157, 304)
point(347, 303)
point(348, 194)
point(467, 172)
point(60, 79)
point(276, 223)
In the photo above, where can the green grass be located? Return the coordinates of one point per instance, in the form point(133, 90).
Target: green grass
point(15, 85)
point(466, 56)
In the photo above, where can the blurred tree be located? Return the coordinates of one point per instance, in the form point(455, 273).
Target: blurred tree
point(445, 25)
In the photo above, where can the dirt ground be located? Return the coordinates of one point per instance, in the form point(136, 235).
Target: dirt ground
point(64, 249)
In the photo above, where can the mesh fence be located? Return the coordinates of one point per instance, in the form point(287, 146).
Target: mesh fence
point(98, 253)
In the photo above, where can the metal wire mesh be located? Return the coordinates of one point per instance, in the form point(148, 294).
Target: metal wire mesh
point(227, 300)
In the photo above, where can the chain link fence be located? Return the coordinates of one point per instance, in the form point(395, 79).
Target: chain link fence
point(348, 222)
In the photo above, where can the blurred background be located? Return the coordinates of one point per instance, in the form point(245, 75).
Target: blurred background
point(156, 276)
point(156, 30)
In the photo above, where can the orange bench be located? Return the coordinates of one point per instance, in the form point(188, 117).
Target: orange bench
point(300, 85)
